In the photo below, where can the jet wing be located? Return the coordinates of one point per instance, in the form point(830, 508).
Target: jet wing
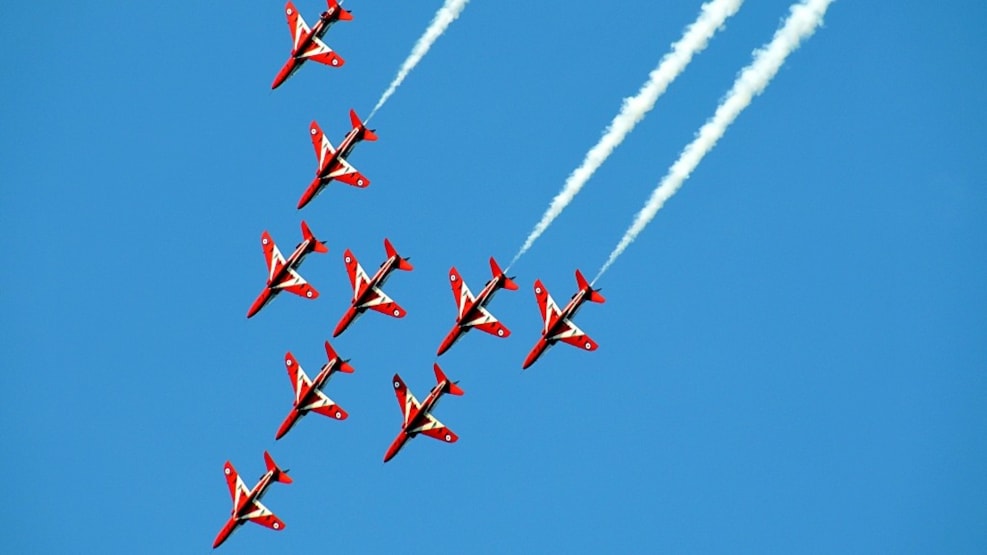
point(299, 380)
point(383, 304)
point(488, 323)
point(325, 406)
point(233, 481)
point(435, 429)
point(346, 173)
point(574, 336)
point(323, 148)
point(294, 283)
point(319, 51)
point(257, 512)
point(406, 399)
point(272, 256)
point(296, 25)
point(549, 310)
point(460, 291)
point(358, 277)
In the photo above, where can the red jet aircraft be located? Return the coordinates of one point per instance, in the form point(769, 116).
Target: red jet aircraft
point(308, 393)
point(246, 504)
point(307, 43)
point(558, 324)
point(366, 290)
point(282, 274)
point(417, 416)
point(472, 311)
point(332, 161)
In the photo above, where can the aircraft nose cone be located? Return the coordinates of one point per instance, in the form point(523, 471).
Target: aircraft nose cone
point(395, 446)
point(258, 304)
point(532, 356)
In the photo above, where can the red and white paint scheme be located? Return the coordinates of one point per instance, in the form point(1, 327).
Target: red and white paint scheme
point(558, 324)
point(366, 290)
point(246, 503)
point(306, 44)
point(417, 416)
point(472, 310)
point(332, 161)
point(282, 274)
point(308, 393)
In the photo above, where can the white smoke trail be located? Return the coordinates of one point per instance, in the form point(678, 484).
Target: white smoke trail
point(443, 18)
point(803, 20)
point(694, 40)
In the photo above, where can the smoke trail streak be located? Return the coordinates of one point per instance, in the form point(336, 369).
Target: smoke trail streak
point(802, 22)
point(443, 18)
point(694, 40)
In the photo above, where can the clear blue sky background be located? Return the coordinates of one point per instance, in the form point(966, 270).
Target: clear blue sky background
point(792, 355)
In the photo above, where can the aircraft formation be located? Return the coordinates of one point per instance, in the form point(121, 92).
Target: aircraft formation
point(367, 293)
point(471, 310)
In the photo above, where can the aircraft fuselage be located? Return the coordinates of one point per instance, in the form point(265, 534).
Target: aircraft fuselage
point(239, 515)
point(482, 299)
point(378, 280)
point(567, 313)
point(293, 262)
point(306, 396)
point(318, 31)
point(345, 148)
point(416, 419)
point(552, 330)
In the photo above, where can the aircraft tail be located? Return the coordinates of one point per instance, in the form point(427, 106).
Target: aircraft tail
point(344, 15)
point(368, 134)
point(403, 263)
point(509, 283)
point(344, 365)
point(279, 475)
point(440, 377)
point(594, 294)
point(318, 246)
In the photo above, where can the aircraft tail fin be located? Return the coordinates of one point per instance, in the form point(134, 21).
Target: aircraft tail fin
point(367, 134)
point(440, 377)
point(509, 282)
point(317, 246)
point(344, 15)
point(344, 365)
point(403, 263)
point(279, 475)
point(594, 294)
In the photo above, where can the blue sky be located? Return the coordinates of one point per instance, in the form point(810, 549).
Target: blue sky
point(792, 356)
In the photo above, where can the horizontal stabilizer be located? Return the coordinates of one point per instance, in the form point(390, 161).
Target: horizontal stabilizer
point(366, 134)
point(317, 246)
point(592, 294)
point(344, 365)
point(403, 263)
point(279, 475)
point(440, 377)
point(344, 15)
point(509, 283)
